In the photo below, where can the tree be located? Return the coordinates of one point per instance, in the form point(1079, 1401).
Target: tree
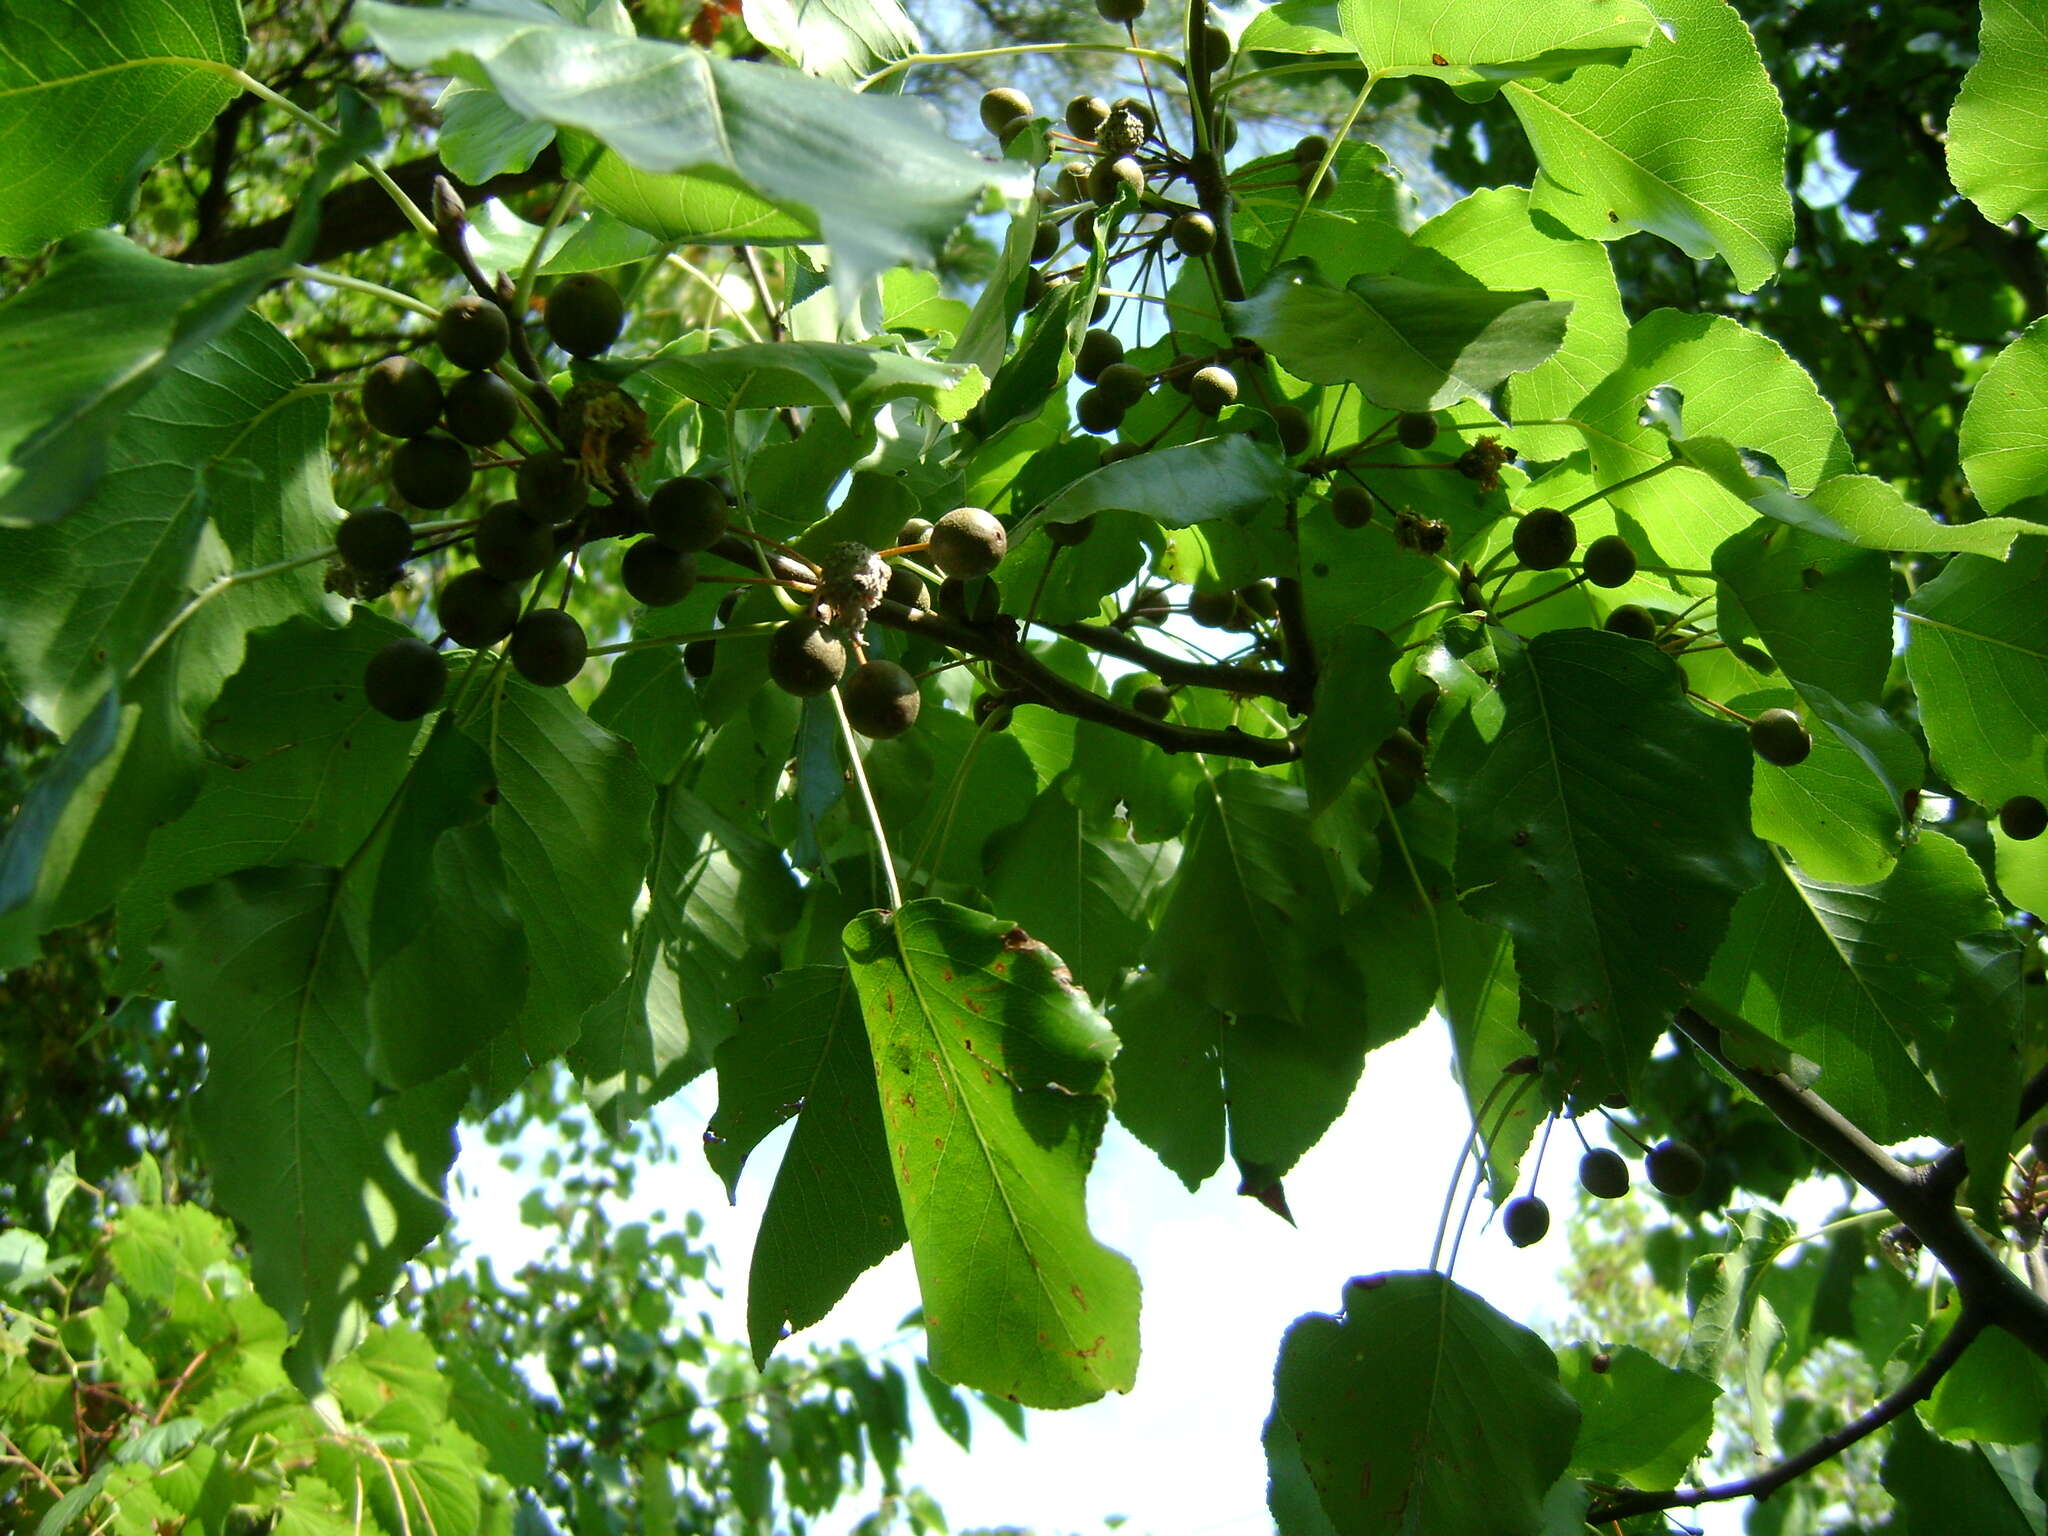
point(1484, 616)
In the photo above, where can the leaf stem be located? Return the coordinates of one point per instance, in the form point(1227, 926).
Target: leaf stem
point(867, 797)
point(1129, 50)
point(376, 173)
point(1322, 169)
point(1620, 485)
point(329, 279)
point(213, 589)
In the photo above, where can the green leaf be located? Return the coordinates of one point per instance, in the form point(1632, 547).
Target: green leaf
point(1485, 46)
point(994, 1077)
point(1217, 477)
point(1872, 513)
point(1355, 711)
point(1997, 1392)
point(1977, 1063)
point(1685, 140)
point(95, 92)
point(1998, 128)
point(946, 788)
point(707, 206)
point(336, 1185)
point(1977, 652)
point(1169, 1090)
point(1421, 1408)
point(884, 185)
point(1407, 345)
point(1483, 1005)
point(1831, 813)
point(1606, 827)
point(852, 381)
point(2005, 425)
point(839, 39)
point(1640, 1420)
point(1987, 1490)
point(833, 1212)
point(482, 137)
point(949, 1409)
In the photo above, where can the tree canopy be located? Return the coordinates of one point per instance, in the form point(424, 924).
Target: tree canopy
point(555, 547)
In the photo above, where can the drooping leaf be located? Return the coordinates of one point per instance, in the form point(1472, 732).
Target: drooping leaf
point(1419, 1407)
point(1189, 483)
point(707, 206)
point(1685, 140)
point(993, 1073)
point(1978, 1488)
point(1998, 128)
point(1355, 711)
point(95, 92)
point(1873, 514)
point(1977, 652)
point(1835, 816)
point(1606, 827)
point(1476, 46)
point(2005, 425)
point(802, 1050)
point(1640, 1419)
point(1169, 1091)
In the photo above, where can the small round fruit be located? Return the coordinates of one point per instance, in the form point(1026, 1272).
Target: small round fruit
point(688, 513)
point(432, 471)
point(374, 540)
point(914, 531)
point(405, 679)
point(1121, 12)
point(1154, 701)
point(552, 488)
point(1525, 1219)
point(1071, 184)
point(1415, 429)
point(1295, 429)
point(1610, 561)
point(656, 574)
point(1012, 130)
point(1545, 539)
point(2023, 818)
point(510, 545)
point(1779, 738)
point(584, 314)
point(1002, 106)
point(401, 397)
point(1098, 352)
point(549, 648)
point(1085, 114)
point(1034, 287)
point(1261, 598)
point(908, 588)
point(1215, 47)
point(1111, 178)
point(473, 333)
point(1675, 1169)
point(968, 542)
point(1124, 384)
point(1194, 234)
point(2039, 1142)
point(1067, 535)
point(1045, 240)
point(881, 700)
point(699, 657)
point(1319, 188)
point(1098, 411)
point(1212, 388)
point(805, 658)
point(477, 609)
point(1310, 149)
point(1213, 610)
point(1603, 1172)
point(1350, 505)
point(1633, 620)
point(482, 409)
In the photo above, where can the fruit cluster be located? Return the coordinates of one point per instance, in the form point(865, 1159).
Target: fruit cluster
point(1674, 1168)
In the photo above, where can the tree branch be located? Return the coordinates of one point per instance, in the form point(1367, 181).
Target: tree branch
point(1255, 682)
point(1767, 1482)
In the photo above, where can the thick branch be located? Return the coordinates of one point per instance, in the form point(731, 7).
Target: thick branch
point(361, 214)
point(1917, 1386)
point(1249, 682)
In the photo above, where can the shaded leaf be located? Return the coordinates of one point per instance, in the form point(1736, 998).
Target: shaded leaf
point(1218, 477)
point(1977, 652)
point(1640, 1419)
point(852, 381)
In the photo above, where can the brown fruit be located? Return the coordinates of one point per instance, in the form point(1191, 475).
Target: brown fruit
point(549, 648)
point(805, 658)
point(473, 333)
point(2023, 818)
point(1213, 610)
point(1295, 429)
point(431, 471)
point(1525, 1219)
point(1675, 1169)
point(375, 540)
point(1099, 351)
point(1154, 701)
point(656, 573)
point(584, 314)
point(1544, 539)
point(881, 700)
point(476, 609)
point(1211, 389)
point(1098, 411)
point(1085, 114)
point(1610, 561)
point(688, 513)
point(1603, 1173)
point(1633, 620)
point(482, 409)
point(1350, 505)
point(1194, 234)
point(552, 488)
point(1415, 429)
point(510, 545)
point(968, 542)
point(1124, 384)
point(1779, 738)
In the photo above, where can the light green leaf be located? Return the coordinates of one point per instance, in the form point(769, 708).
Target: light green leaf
point(1606, 827)
point(1977, 1064)
point(1217, 477)
point(1421, 1408)
point(1640, 1419)
point(336, 1186)
point(852, 381)
point(1831, 812)
point(946, 788)
point(839, 39)
point(1169, 1089)
point(1685, 140)
point(481, 137)
point(802, 1050)
point(1872, 512)
point(1998, 128)
point(994, 1078)
point(1482, 1002)
point(1977, 652)
point(1476, 45)
point(1407, 345)
point(95, 92)
point(1997, 1392)
point(2005, 425)
point(707, 206)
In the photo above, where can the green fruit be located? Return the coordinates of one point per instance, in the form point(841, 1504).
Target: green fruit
point(993, 711)
point(699, 657)
point(1779, 738)
point(1604, 1173)
point(1085, 114)
point(1071, 185)
point(1261, 598)
point(1124, 384)
point(1415, 429)
point(968, 542)
point(915, 531)
point(2039, 1142)
point(1098, 411)
point(688, 513)
point(1610, 561)
point(401, 397)
point(405, 679)
point(375, 540)
point(1675, 1169)
point(549, 648)
point(1012, 130)
point(1310, 149)
point(1045, 240)
point(1213, 610)
point(1545, 539)
point(584, 314)
point(1194, 234)
point(552, 488)
point(1295, 429)
point(477, 609)
point(510, 545)
point(805, 658)
point(1098, 352)
point(1067, 535)
point(482, 409)
point(908, 588)
point(1110, 179)
point(1034, 287)
point(1319, 188)
point(2023, 818)
point(656, 574)
point(1525, 1219)
point(1350, 505)
point(432, 471)
point(881, 700)
point(1121, 12)
point(1633, 620)
point(473, 333)
point(1003, 106)
point(1154, 701)
point(1212, 388)
point(1215, 47)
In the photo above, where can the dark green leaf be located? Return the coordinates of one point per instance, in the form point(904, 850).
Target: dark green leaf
point(1218, 477)
point(1977, 651)
point(1987, 1490)
point(1639, 1419)
point(1355, 711)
